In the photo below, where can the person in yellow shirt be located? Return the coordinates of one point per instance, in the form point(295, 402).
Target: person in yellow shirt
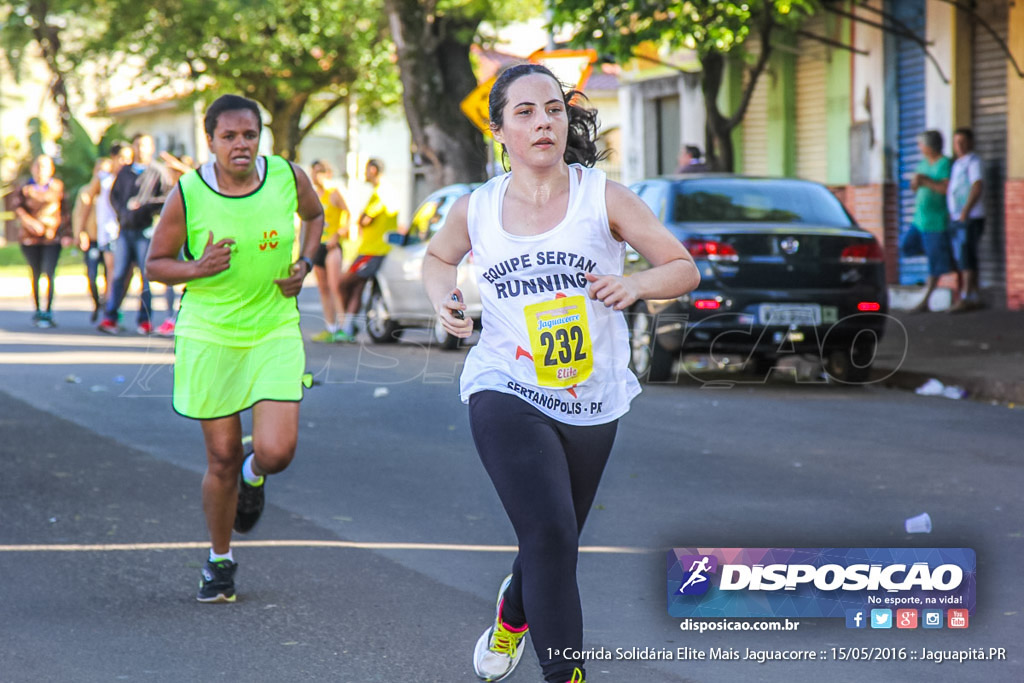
point(378, 218)
point(327, 262)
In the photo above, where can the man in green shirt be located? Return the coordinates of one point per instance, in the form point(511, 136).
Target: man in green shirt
point(931, 217)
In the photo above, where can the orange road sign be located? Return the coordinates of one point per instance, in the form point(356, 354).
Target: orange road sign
point(474, 105)
point(571, 67)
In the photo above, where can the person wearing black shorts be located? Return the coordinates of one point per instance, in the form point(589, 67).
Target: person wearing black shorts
point(966, 204)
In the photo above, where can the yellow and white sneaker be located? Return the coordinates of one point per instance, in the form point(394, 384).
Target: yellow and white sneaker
point(499, 648)
point(577, 676)
point(324, 337)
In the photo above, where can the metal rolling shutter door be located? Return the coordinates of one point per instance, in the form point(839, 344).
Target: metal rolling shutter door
point(910, 91)
point(988, 117)
point(811, 119)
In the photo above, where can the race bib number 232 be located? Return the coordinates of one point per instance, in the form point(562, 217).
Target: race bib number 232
point(560, 341)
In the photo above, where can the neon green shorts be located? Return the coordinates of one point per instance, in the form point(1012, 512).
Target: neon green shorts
point(212, 380)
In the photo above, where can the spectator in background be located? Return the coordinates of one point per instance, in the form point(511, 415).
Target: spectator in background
point(37, 204)
point(378, 218)
point(966, 204)
point(137, 196)
point(95, 218)
point(84, 231)
point(691, 160)
point(328, 259)
point(176, 167)
point(930, 214)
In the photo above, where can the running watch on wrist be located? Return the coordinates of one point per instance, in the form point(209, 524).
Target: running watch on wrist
point(309, 263)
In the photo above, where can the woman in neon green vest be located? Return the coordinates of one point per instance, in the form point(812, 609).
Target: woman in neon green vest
point(237, 340)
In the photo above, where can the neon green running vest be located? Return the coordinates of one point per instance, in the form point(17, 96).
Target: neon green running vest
point(241, 306)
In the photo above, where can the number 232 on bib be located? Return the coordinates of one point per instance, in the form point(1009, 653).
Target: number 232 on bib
point(560, 341)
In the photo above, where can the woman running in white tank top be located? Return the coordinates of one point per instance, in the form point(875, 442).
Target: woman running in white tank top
point(548, 380)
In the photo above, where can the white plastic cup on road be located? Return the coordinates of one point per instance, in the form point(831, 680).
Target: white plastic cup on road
point(922, 524)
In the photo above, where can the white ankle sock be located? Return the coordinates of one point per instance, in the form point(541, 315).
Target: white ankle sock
point(214, 557)
point(249, 474)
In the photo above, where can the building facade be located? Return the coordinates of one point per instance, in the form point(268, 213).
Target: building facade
point(846, 109)
point(843, 103)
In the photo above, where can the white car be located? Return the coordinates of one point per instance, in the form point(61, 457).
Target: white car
point(396, 298)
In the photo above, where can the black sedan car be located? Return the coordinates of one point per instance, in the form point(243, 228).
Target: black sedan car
point(784, 270)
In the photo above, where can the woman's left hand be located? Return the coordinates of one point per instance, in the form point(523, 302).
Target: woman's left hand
point(614, 291)
point(292, 285)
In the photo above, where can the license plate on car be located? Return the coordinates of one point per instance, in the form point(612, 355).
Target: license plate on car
point(789, 314)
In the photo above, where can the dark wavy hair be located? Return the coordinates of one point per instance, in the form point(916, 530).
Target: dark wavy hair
point(581, 142)
point(230, 103)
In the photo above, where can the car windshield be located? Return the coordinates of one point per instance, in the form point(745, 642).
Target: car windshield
point(711, 200)
point(422, 219)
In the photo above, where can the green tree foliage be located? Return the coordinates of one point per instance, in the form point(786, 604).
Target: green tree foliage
point(79, 154)
point(716, 30)
point(57, 28)
point(433, 39)
point(300, 60)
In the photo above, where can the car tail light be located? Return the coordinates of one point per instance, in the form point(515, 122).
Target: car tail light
point(869, 306)
point(862, 252)
point(707, 304)
point(711, 250)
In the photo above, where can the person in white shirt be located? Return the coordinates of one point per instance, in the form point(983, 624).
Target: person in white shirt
point(965, 200)
point(549, 378)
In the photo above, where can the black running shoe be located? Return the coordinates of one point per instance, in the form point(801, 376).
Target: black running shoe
point(250, 505)
point(250, 498)
point(218, 582)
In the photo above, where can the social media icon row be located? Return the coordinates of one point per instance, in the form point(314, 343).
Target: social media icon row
point(905, 618)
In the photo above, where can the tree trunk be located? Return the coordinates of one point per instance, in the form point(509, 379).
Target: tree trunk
point(720, 151)
point(48, 39)
point(285, 117)
point(436, 75)
point(717, 132)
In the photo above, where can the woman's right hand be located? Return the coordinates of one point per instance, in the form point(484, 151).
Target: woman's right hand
point(216, 257)
point(31, 224)
point(457, 326)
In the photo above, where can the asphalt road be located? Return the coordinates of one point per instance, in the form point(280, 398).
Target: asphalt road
point(93, 456)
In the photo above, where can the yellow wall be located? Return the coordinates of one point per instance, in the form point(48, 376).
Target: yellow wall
point(961, 76)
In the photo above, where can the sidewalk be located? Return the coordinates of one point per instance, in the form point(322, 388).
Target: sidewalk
point(65, 285)
point(980, 351)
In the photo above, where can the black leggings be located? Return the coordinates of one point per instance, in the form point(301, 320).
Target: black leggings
point(93, 260)
point(546, 474)
point(42, 259)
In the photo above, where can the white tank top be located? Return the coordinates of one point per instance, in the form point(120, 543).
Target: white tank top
point(543, 338)
point(106, 220)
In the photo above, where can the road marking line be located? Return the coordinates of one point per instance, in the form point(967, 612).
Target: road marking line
point(86, 358)
point(109, 547)
point(155, 344)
